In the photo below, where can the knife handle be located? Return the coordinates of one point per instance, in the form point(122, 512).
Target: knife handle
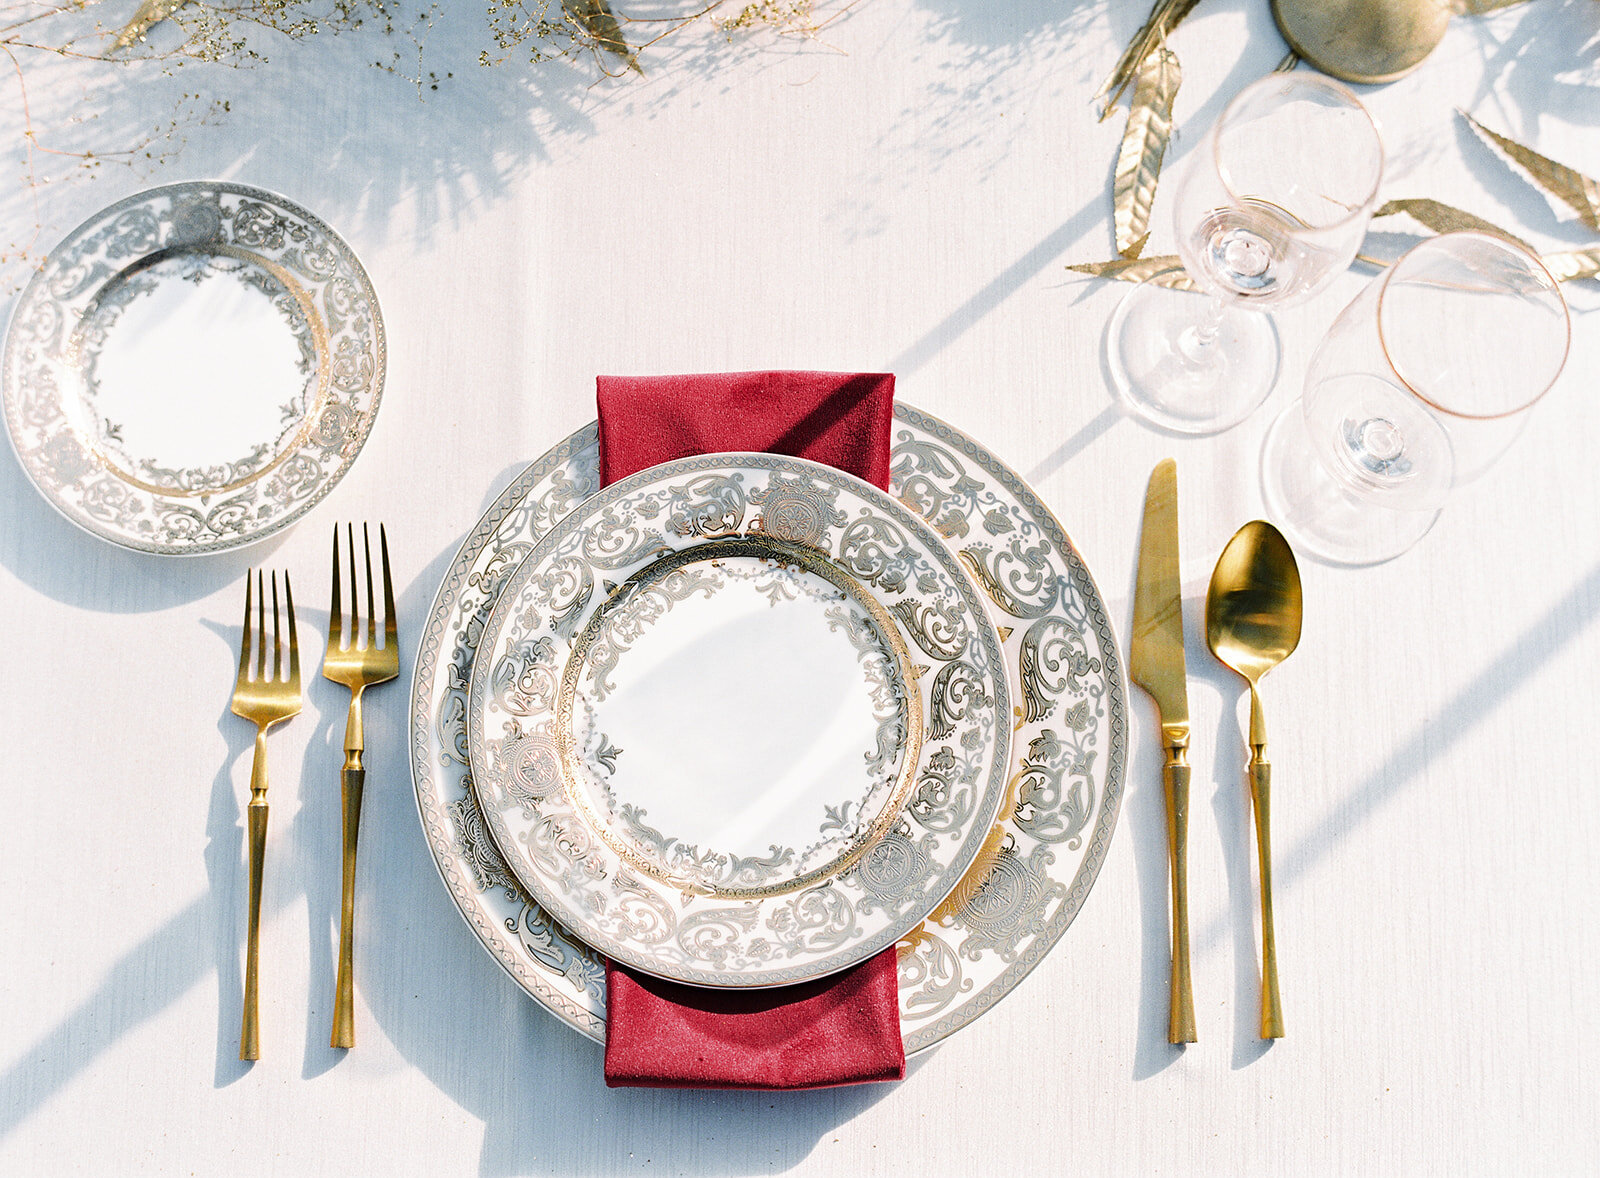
point(1180, 1027)
point(1261, 796)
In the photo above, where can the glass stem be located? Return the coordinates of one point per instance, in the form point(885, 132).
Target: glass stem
point(1197, 340)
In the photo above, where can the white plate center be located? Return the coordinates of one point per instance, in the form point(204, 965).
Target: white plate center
point(748, 699)
point(197, 368)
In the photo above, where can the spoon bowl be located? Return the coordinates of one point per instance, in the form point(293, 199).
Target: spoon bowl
point(1255, 603)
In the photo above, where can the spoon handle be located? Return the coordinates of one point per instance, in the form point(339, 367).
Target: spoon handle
point(1261, 795)
point(1180, 1025)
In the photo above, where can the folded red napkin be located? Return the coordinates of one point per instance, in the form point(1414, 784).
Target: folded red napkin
point(843, 1029)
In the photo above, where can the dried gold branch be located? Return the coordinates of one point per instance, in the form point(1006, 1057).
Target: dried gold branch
point(1566, 185)
point(1572, 264)
point(1165, 270)
point(599, 23)
point(151, 13)
point(1164, 17)
point(1443, 218)
point(1144, 144)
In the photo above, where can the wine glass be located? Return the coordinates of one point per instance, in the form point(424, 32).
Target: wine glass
point(1274, 203)
point(1419, 385)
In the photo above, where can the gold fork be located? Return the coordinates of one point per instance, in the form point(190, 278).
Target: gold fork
point(358, 666)
point(264, 702)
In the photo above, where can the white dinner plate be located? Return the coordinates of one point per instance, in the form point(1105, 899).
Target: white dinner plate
point(1067, 760)
point(740, 720)
point(193, 368)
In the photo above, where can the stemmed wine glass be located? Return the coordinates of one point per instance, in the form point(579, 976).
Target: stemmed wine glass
point(1274, 203)
point(1419, 385)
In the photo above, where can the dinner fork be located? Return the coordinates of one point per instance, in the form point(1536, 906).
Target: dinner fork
point(264, 702)
point(358, 666)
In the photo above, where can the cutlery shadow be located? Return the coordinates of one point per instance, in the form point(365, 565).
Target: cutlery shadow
point(316, 852)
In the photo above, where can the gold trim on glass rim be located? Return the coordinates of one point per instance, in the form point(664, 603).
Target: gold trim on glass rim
point(1513, 247)
point(319, 335)
point(810, 560)
point(1310, 82)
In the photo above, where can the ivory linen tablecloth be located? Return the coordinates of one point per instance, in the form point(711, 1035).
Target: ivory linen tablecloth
point(904, 196)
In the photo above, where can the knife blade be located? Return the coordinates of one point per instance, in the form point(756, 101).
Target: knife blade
point(1156, 664)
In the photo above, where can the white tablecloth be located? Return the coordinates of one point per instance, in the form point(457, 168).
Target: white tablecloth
point(902, 195)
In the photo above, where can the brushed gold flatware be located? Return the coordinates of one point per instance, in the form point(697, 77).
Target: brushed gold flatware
point(1157, 665)
point(1253, 613)
point(358, 665)
point(264, 701)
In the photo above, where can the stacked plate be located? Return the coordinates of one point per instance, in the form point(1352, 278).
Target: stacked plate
point(743, 720)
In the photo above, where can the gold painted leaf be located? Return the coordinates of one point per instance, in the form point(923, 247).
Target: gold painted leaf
point(1571, 264)
point(150, 14)
point(1144, 143)
point(1164, 17)
point(1443, 218)
point(1163, 270)
point(1571, 187)
point(599, 22)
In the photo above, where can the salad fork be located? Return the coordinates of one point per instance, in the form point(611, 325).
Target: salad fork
point(264, 701)
point(358, 666)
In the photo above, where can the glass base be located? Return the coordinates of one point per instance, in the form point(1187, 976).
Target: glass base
point(1321, 515)
point(1167, 374)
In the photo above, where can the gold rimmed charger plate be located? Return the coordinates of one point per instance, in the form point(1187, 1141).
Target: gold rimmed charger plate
point(1067, 762)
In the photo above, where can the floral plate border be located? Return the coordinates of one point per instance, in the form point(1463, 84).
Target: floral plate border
point(1068, 749)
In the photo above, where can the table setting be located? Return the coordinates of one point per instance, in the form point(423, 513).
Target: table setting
point(823, 626)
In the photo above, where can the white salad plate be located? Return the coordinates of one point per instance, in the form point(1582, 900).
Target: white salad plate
point(1066, 769)
point(193, 368)
point(739, 720)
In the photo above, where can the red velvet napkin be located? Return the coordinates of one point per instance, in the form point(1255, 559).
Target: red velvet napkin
point(843, 1029)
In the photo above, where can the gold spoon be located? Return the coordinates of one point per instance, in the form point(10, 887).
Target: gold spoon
point(1253, 612)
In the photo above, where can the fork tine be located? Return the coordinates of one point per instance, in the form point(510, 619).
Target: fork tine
point(244, 642)
point(390, 633)
point(355, 602)
point(277, 636)
point(372, 613)
point(294, 635)
point(261, 628)
point(335, 613)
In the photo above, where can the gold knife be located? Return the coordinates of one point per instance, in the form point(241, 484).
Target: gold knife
point(1156, 664)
